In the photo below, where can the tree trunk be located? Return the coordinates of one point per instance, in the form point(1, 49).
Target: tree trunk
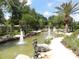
point(66, 22)
point(66, 28)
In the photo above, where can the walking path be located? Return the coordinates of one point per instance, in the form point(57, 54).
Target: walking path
point(59, 51)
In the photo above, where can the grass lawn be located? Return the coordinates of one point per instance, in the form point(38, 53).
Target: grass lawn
point(10, 50)
point(72, 42)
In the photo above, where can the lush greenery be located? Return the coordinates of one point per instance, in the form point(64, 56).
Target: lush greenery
point(56, 21)
point(28, 19)
point(72, 42)
point(20, 14)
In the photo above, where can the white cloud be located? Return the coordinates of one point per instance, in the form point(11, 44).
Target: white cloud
point(50, 4)
point(29, 2)
point(47, 14)
point(75, 17)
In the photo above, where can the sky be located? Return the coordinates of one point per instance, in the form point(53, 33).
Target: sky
point(47, 7)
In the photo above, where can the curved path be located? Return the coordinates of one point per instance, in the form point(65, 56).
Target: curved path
point(59, 51)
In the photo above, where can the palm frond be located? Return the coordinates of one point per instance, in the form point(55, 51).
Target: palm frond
point(76, 12)
point(58, 8)
point(73, 11)
point(68, 8)
point(75, 5)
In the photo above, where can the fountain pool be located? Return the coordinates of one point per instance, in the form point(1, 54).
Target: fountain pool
point(10, 49)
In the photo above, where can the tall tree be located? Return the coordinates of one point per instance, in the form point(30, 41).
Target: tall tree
point(67, 9)
point(2, 20)
point(57, 21)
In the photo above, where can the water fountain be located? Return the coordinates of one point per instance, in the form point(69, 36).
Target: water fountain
point(78, 37)
point(49, 36)
point(54, 29)
point(21, 40)
point(54, 32)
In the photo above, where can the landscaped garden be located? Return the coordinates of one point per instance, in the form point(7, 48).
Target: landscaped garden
point(25, 24)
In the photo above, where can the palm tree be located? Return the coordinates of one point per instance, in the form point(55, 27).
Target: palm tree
point(67, 9)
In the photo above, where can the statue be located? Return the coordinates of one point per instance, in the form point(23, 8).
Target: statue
point(36, 53)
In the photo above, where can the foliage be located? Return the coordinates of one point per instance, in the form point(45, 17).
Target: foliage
point(47, 41)
point(56, 21)
point(2, 20)
point(72, 42)
point(74, 25)
point(20, 14)
point(2, 31)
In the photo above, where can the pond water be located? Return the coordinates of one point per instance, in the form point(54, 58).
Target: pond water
point(10, 49)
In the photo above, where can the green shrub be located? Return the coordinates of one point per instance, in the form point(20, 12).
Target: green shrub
point(72, 42)
point(47, 41)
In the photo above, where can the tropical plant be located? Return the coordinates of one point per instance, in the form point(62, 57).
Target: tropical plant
point(67, 9)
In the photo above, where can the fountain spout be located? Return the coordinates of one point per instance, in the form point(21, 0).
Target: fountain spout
point(49, 36)
point(54, 32)
point(21, 40)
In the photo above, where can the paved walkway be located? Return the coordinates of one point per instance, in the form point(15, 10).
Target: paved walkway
point(59, 51)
